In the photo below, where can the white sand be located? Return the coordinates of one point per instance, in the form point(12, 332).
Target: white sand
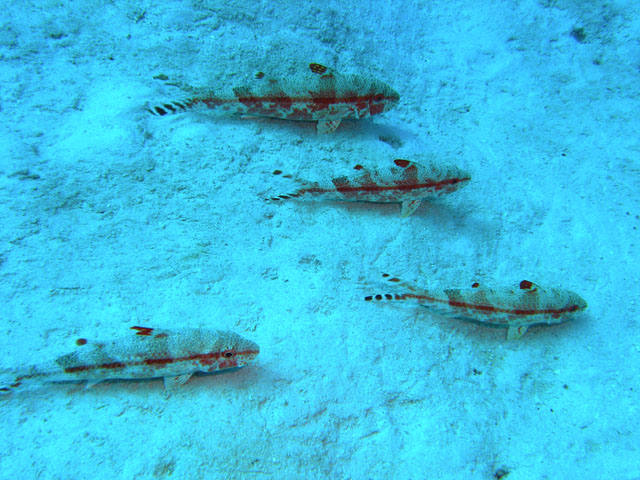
point(139, 220)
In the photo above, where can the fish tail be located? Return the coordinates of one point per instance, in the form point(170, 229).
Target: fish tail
point(288, 196)
point(389, 296)
point(168, 108)
point(10, 382)
point(413, 292)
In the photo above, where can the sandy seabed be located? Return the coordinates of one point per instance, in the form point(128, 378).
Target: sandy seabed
point(112, 217)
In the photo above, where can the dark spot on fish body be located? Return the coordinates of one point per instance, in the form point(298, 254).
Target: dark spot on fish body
point(260, 75)
point(475, 285)
point(160, 111)
point(401, 163)
point(81, 341)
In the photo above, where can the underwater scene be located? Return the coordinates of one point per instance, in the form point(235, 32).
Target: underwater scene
point(309, 240)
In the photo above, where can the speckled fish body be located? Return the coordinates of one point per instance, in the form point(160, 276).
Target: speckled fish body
point(514, 308)
point(318, 95)
point(148, 353)
point(404, 182)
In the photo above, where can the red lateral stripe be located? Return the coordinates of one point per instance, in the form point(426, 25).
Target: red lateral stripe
point(488, 309)
point(405, 187)
point(328, 100)
point(159, 362)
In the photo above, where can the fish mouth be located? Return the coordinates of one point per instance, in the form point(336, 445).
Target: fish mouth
point(248, 354)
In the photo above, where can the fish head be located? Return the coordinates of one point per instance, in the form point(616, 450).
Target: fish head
point(576, 303)
point(456, 178)
point(235, 351)
point(448, 178)
point(382, 97)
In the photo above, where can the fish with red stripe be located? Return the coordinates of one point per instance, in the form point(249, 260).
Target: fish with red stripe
point(174, 355)
point(404, 182)
point(514, 308)
point(318, 94)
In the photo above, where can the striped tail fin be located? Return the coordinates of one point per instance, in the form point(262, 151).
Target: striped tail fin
point(298, 193)
point(9, 382)
point(168, 108)
point(412, 294)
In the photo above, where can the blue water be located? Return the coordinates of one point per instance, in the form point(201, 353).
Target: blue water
point(111, 217)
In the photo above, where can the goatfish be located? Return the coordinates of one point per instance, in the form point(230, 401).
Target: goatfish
point(514, 308)
point(404, 182)
point(318, 94)
point(174, 355)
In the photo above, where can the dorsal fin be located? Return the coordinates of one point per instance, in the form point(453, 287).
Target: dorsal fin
point(400, 282)
point(530, 287)
point(400, 162)
point(320, 69)
point(143, 331)
point(361, 168)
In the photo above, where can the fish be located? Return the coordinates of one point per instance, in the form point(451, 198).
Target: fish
point(318, 94)
point(514, 308)
point(404, 182)
point(145, 353)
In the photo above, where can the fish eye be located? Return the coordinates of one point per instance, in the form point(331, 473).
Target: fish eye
point(227, 353)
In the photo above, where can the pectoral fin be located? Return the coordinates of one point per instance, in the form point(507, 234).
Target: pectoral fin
point(514, 333)
point(91, 384)
point(409, 207)
point(173, 383)
point(328, 126)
